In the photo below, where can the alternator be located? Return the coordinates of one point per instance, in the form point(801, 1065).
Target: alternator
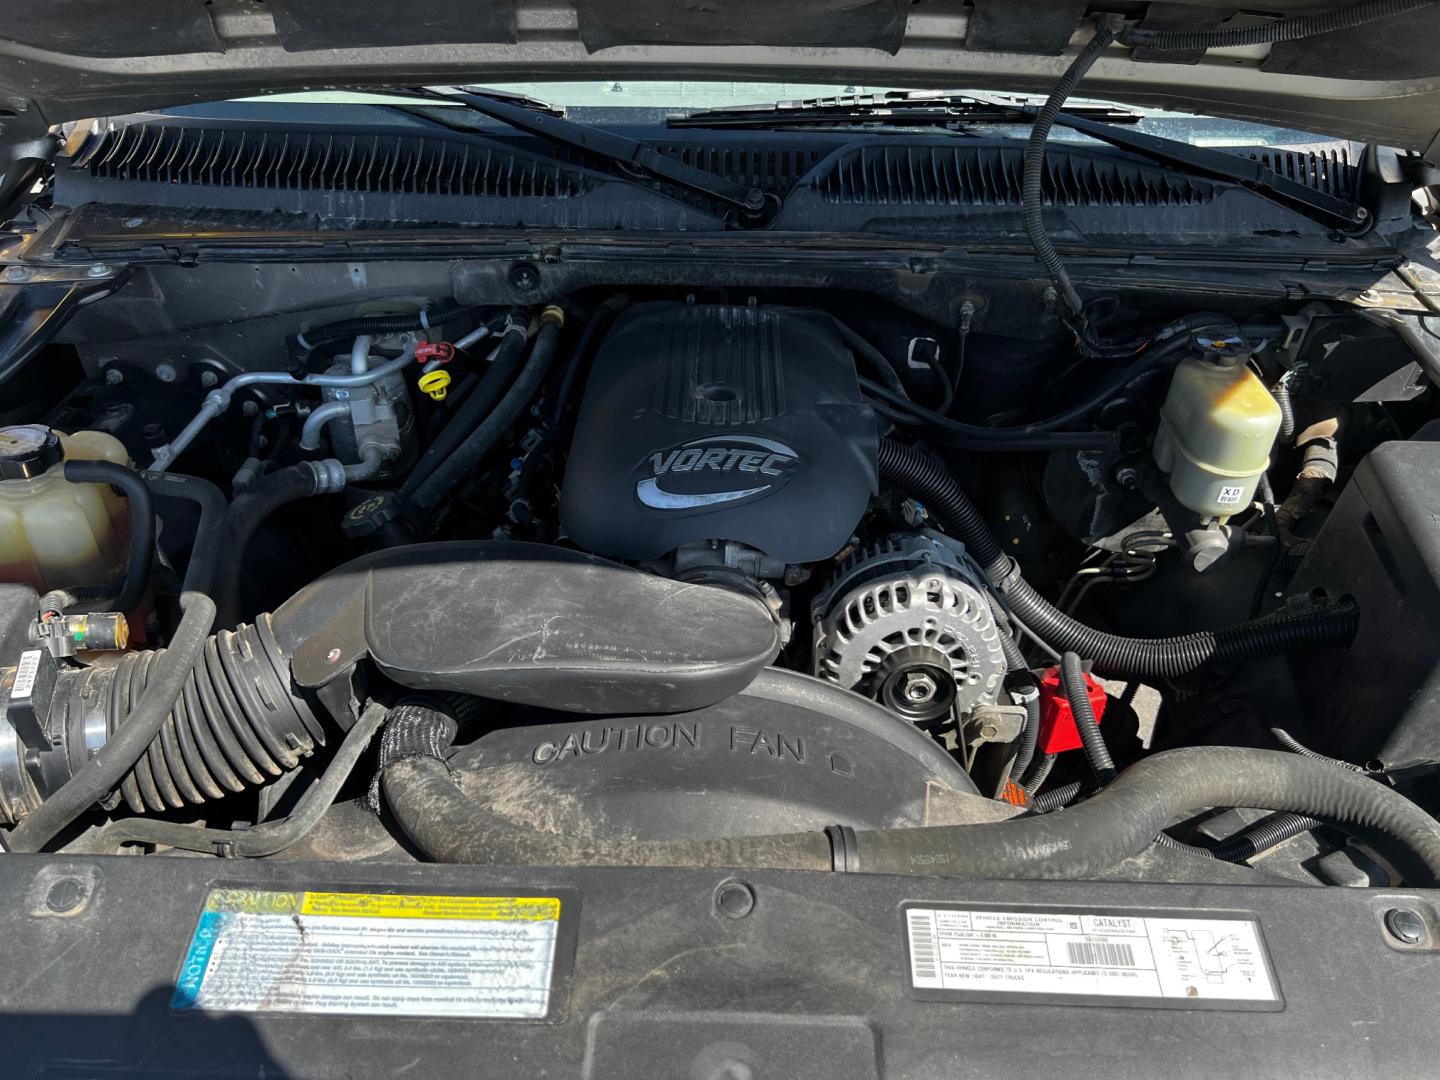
point(903, 623)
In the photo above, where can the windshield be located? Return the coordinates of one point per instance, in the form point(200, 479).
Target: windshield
point(624, 101)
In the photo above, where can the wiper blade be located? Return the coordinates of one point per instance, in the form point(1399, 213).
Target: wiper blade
point(906, 108)
point(630, 154)
point(1220, 165)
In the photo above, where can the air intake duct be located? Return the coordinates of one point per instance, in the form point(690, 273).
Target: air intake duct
point(237, 723)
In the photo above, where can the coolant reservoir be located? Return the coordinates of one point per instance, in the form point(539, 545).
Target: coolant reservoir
point(1217, 426)
point(55, 534)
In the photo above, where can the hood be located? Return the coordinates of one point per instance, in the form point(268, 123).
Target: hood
point(69, 59)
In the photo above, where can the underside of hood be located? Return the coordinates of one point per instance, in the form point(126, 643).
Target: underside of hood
point(68, 59)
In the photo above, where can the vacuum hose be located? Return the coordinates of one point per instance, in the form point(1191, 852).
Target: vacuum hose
point(924, 479)
point(1118, 822)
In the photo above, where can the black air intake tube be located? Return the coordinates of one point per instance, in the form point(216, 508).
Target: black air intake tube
point(236, 722)
point(924, 479)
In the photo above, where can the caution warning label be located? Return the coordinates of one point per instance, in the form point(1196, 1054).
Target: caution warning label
point(372, 953)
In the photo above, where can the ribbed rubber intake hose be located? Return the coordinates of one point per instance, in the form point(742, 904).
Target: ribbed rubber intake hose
point(1303, 26)
point(235, 723)
point(925, 480)
point(96, 778)
point(1120, 821)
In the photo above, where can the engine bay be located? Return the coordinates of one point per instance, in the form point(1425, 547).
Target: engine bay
point(689, 576)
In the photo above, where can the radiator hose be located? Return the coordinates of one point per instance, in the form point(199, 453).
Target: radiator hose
point(1118, 822)
point(930, 483)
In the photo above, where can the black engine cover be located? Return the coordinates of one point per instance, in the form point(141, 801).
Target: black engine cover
point(704, 422)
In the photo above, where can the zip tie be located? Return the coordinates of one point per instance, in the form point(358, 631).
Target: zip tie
point(424, 319)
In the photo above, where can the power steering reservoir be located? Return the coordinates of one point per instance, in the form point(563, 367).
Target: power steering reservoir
point(1217, 427)
point(54, 533)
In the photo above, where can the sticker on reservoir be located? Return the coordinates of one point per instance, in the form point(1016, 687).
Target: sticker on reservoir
point(372, 953)
point(1074, 957)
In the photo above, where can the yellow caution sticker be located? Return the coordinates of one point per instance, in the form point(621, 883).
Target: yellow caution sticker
point(397, 954)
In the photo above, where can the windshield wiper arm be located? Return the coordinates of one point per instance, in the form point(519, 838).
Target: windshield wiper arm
point(629, 154)
point(1220, 165)
point(911, 108)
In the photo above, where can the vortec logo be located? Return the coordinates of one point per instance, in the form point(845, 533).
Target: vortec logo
point(760, 465)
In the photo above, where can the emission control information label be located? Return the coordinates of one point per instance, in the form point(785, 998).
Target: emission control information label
point(1064, 955)
point(399, 955)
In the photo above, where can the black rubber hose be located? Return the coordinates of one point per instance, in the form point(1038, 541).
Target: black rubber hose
point(1281, 393)
point(1293, 29)
point(1295, 746)
point(448, 827)
point(598, 321)
point(209, 530)
point(1039, 772)
point(1032, 185)
point(1028, 696)
point(1057, 798)
point(981, 437)
point(923, 478)
point(247, 513)
point(1126, 817)
point(1097, 754)
point(1262, 836)
point(267, 838)
point(99, 776)
point(313, 338)
point(474, 409)
point(1118, 822)
point(1176, 656)
point(456, 468)
point(142, 523)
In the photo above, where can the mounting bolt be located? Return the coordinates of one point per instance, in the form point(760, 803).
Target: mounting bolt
point(166, 372)
point(333, 656)
point(98, 270)
point(524, 276)
point(1127, 476)
point(209, 379)
point(1405, 925)
point(919, 688)
point(17, 273)
point(1361, 214)
point(114, 376)
point(734, 899)
point(250, 408)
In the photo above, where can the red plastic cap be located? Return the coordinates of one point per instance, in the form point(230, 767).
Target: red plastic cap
point(442, 351)
point(1057, 722)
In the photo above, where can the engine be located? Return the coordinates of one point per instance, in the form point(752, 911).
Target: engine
point(708, 425)
point(667, 570)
